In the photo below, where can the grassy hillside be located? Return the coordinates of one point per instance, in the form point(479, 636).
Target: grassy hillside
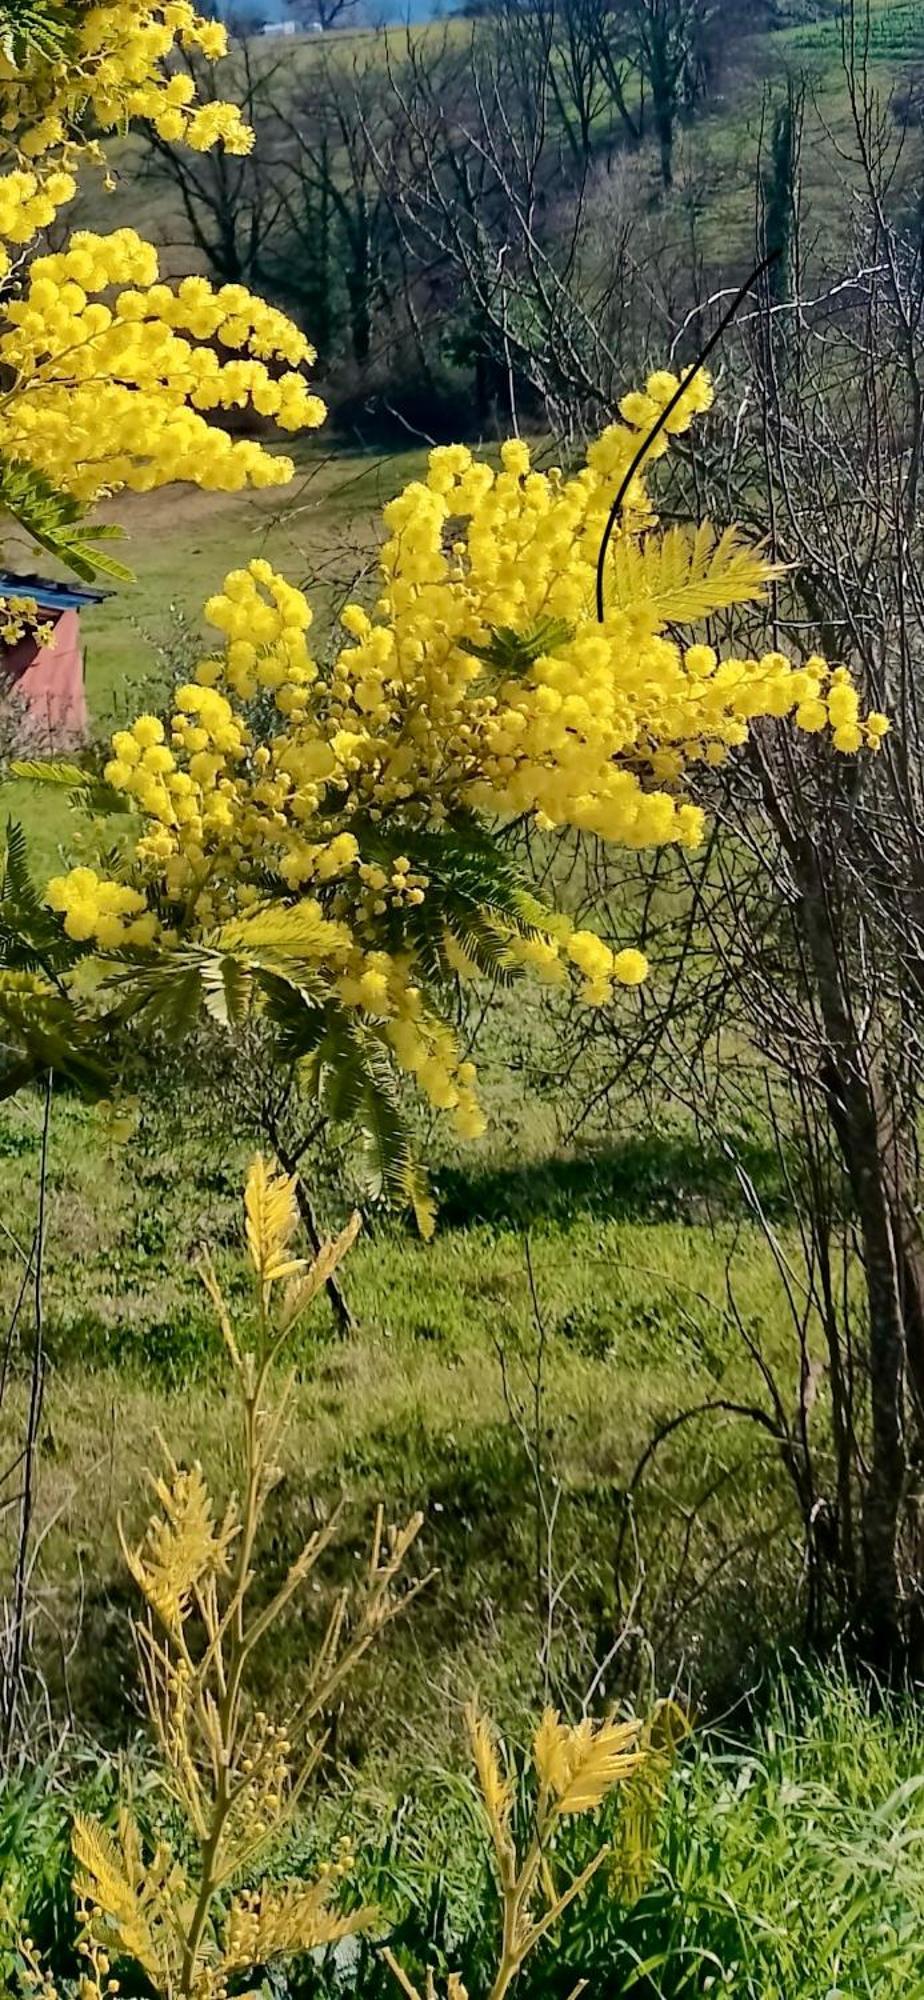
point(717, 154)
point(720, 153)
point(893, 33)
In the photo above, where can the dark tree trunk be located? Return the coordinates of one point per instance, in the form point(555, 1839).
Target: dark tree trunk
point(664, 126)
point(289, 1163)
point(854, 1115)
point(341, 1309)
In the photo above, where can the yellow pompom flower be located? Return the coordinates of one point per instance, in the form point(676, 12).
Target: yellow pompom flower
point(630, 967)
point(590, 955)
point(811, 715)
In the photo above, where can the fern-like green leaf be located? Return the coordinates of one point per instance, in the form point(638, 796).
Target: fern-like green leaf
point(685, 575)
point(31, 938)
point(509, 654)
point(385, 1141)
point(341, 1070)
point(56, 771)
point(87, 791)
point(168, 993)
point(356, 1086)
point(41, 1030)
point(299, 1024)
point(82, 553)
point(475, 897)
point(31, 28)
point(227, 987)
point(53, 520)
point(284, 942)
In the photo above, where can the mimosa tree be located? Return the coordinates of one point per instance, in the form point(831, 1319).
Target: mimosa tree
point(308, 841)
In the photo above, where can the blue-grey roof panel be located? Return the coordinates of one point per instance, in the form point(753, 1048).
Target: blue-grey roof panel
point(49, 596)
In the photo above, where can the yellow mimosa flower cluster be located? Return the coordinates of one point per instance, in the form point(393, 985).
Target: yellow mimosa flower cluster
point(112, 387)
point(306, 816)
point(116, 69)
point(111, 378)
point(20, 616)
point(29, 204)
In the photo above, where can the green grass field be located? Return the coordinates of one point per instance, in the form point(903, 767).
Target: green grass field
point(624, 1250)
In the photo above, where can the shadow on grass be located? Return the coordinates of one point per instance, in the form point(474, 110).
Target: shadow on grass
point(654, 1178)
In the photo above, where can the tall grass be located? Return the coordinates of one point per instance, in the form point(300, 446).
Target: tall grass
point(794, 1867)
point(788, 1865)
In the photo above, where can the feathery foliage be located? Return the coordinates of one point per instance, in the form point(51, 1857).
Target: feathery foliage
point(33, 28)
point(685, 576)
point(573, 1771)
point(54, 522)
point(236, 1777)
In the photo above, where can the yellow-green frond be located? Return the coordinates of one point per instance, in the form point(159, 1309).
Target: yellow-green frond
point(550, 1752)
point(272, 1213)
point(312, 1279)
point(634, 1842)
point(103, 1878)
point(420, 1199)
point(183, 1545)
point(496, 1789)
point(277, 1922)
point(457, 958)
point(299, 931)
point(684, 575)
point(591, 1759)
point(455, 1989)
point(668, 1726)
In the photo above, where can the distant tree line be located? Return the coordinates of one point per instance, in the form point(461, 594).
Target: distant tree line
point(455, 214)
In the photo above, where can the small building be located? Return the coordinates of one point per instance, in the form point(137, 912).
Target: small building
point(42, 695)
point(280, 28)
